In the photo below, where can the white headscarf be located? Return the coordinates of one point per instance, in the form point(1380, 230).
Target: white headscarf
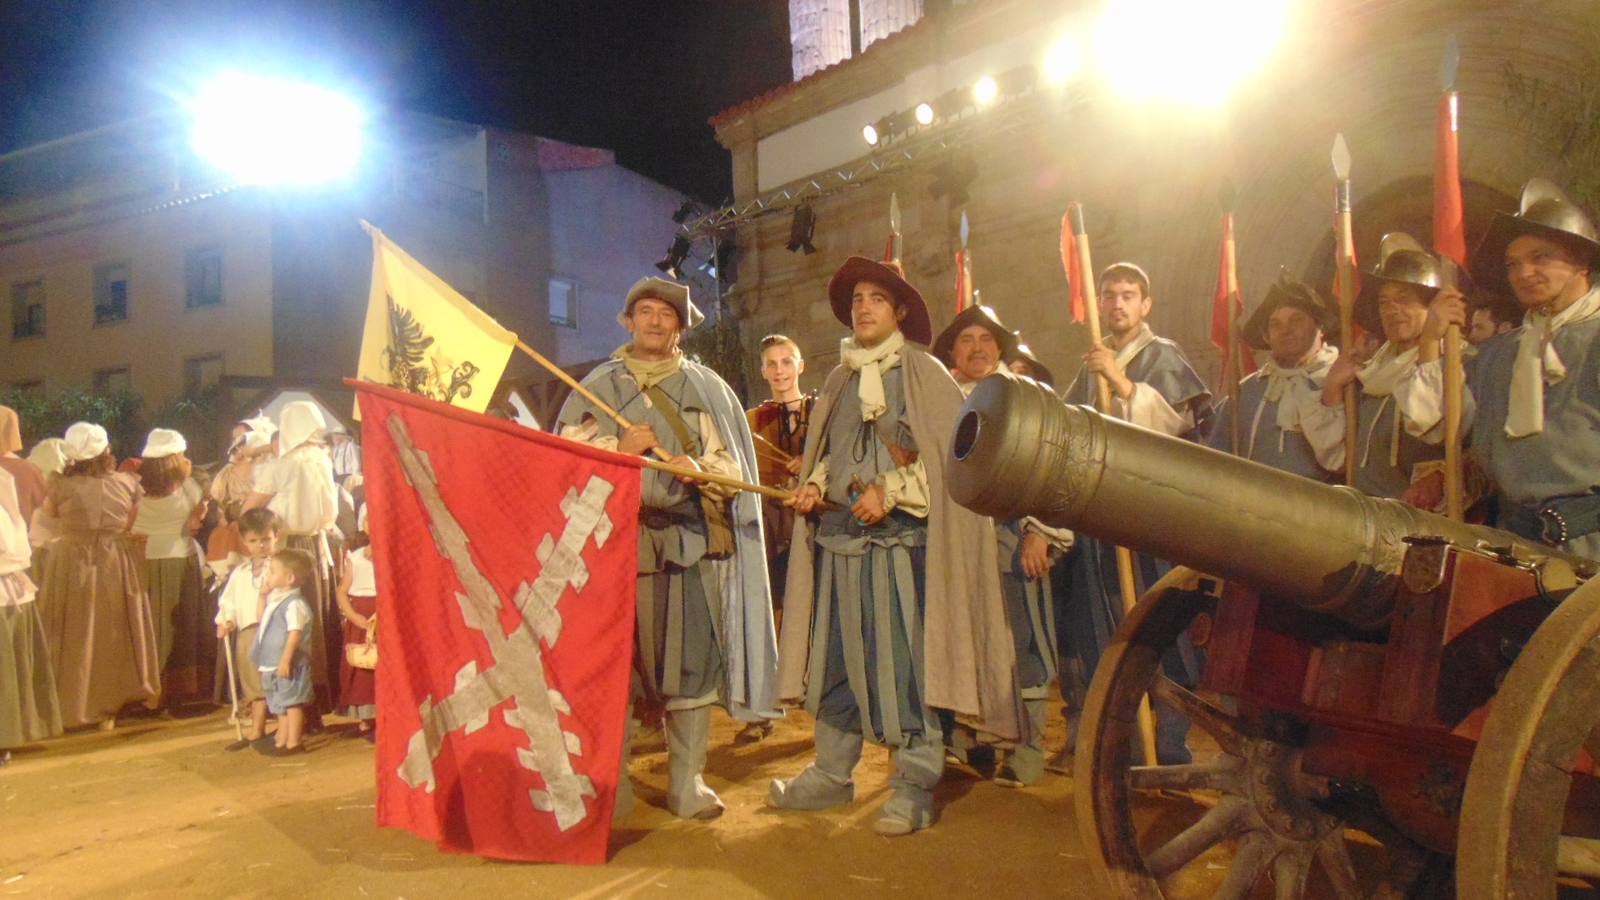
point(299, 422)
point(1537, 363)
point(85, 441)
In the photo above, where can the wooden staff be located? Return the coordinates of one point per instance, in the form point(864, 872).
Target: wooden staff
point(660, 464)
point(1231, 369)
point(1130, 593)
point(776, 452)
point(1347, 295)
point(1449, 241)
point(1455, 379)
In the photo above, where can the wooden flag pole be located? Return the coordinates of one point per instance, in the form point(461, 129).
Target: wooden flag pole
point(1125, 582)
point(1347, 296)
point(1454, 387)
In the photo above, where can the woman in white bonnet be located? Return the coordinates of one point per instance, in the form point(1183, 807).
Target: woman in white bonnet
point(299, 487)
point(170, 513)
point(93, 602)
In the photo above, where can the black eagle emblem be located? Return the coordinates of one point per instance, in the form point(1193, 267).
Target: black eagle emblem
point(413, 368)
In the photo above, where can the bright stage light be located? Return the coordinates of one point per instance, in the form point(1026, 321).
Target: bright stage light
point(869, 133)
point(984, 92)
point(1185, 51)
point(1062, 61)
point(924, 113)
point(271, 131)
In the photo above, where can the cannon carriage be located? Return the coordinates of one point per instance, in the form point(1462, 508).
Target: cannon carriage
point(1379, 683)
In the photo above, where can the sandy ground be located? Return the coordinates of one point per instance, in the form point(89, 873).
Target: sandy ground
point(156, 809)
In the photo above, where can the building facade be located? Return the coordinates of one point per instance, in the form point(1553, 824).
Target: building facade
point(127, 266)
point(1148, 174)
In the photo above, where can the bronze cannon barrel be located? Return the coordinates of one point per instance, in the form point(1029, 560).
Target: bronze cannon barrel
point(1019, 450)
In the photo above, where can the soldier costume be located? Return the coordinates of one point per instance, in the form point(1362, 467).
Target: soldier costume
point(906, 613)
point(704, 628)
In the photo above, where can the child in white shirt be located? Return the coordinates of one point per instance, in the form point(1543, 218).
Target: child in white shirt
point(238, 610)
point(282, 654)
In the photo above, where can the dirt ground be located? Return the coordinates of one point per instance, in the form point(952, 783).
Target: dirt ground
point(156, 809)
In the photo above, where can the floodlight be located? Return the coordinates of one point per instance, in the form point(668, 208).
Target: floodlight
point(984, 92)
point(1191, 52)
point(676, 254)
point(801, 228)
point(924, 113)
point(274, 131)
point(1062, 61)
point(869, 133)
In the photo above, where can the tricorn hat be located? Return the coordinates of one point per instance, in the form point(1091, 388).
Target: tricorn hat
point(1401, 260)
point(915, 326)
point(1288, 291)
point(670, 292)
point(977, 314)
point(1040, 371)
point(1546, 212)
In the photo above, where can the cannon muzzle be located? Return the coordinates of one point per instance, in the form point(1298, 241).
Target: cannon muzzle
point(1020, 451)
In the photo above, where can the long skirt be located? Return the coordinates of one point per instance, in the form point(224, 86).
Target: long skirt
point(327, 640)
point(97, 623)
point(358, 688)
point(28, 708)
point(185, 637)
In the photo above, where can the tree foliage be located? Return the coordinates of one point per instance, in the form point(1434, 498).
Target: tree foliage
point(1563, 119)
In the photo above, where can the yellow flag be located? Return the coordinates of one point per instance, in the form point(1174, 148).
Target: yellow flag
point(422, 336)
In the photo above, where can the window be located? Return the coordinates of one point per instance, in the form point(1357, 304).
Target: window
point(116, 380)
point(203, 278)
point(564, 302)
point(27, 309)
point(32, 387)
point(201, 372)
point(111, 293)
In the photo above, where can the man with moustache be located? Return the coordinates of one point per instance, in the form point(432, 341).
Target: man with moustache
point(1152, 385)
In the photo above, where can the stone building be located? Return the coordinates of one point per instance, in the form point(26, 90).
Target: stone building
point(1148, 173)
point(130, 266)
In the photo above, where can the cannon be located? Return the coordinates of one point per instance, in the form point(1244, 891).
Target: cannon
point(1382, 688)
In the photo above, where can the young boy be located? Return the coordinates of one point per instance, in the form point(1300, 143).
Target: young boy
point(237, 613)
point(282, 656)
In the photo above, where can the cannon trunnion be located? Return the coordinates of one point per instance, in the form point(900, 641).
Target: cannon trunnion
point(1375, 677)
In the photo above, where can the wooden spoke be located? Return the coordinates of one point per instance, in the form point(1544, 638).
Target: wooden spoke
point(1217, 825)
point(1218, 775)
point(1334, 856)
point(1578, 856)
point(1222, 727)
point(1289, 873)
point(1252, 859)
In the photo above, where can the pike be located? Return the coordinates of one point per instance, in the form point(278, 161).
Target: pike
point(963, 269)
point(891, 251)
point(1347, 293)
point(1073, 224)
point(1231, 368)
point(1450, 244)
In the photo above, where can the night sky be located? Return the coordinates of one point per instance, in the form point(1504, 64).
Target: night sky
point(637, 76)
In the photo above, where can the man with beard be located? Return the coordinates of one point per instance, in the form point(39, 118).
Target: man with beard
point(695, 541)
point(1277, 402)
point(894, 595)
point(1152, 385)
point(1534, 401)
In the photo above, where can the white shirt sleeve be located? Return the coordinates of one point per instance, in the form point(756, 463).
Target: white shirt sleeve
point(717, 459)
point(1148, 409)
point(587, 431)
point(1324, 430)
point(906, 488)
point(1060, 538)
point(298, 615)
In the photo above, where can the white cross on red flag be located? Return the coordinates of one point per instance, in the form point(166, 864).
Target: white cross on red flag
point(504, 559)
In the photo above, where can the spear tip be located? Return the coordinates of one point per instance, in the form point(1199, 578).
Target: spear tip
point(1341, 157)
point(1227, 195)
point(1450, 64)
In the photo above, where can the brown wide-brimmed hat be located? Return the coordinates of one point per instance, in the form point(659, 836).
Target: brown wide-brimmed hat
point(1544, 212)
point(1041, 372)
point(1288, 291)
point(977, 314)
point(915, 326)
point(670, 292)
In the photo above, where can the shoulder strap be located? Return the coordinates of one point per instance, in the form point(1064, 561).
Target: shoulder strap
point(675, 421)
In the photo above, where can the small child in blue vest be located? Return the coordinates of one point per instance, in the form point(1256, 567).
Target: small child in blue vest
point(281, 653)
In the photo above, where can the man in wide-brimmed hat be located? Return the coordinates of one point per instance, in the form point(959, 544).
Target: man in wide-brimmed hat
point(1279, 423)
point(1534, 392)
point(1392, 440)
point(894, 603)
point(975, 345)
point(685, 624)
point(1153, 385)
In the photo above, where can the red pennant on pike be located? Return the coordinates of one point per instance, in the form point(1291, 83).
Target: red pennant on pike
point(1069, 264)
point(504, 561)
point(1222, 317)
point(1449, 232)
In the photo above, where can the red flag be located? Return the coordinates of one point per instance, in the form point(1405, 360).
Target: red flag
point(505, 561)
point(1449, 233)
point(1069, 263)
point(1228, 287)
point(963, 289)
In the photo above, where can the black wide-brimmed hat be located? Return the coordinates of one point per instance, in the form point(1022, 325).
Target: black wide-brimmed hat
point(1544, 212)
point(1401, 260)
point(1288, 291)
point(1041, 372)
point(915, 326)
point(977, 314)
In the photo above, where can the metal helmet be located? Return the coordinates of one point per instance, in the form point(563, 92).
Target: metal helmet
point(1401, 259)
point(1545, 211)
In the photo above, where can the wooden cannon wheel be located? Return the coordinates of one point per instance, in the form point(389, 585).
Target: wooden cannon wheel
point(1515, 809)
point(1253, 794)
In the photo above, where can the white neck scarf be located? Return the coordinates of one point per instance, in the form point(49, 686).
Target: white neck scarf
point(1296, 391)
point(1537, 363)
point(1144, 338)
point(1385, 370)
point(871, 362)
